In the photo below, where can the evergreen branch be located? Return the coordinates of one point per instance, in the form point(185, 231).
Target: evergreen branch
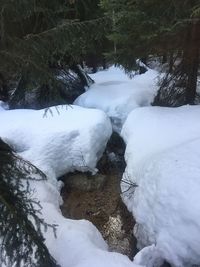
point(20, 226)
point(69, 26)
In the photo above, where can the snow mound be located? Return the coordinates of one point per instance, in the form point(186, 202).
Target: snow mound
point(150, 130)
point(58, 140)
point(117, 95)
point(54, 143)
point(163, 160)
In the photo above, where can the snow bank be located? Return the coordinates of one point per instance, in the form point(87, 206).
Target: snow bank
point(150, 130)
point(54, 144)
point(163, 159)
point(78, 242)
point(60, 140)
point(116, 94)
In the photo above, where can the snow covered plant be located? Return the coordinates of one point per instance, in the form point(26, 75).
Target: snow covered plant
point(127, 185)
point(21, 239)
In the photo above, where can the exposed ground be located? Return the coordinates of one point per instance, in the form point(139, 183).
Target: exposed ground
point(104, 207)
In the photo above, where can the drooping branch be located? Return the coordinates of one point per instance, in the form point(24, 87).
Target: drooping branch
point(21, 236)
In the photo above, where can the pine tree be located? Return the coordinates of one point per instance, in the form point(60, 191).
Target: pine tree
point(159, 28)
point(89, 10)
point(21, 239)
point(38, 36)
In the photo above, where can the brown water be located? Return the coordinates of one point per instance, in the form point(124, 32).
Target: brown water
point(105, 209)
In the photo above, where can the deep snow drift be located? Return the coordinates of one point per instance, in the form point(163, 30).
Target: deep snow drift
point(58, 140)
point(163, 159)
point(116, 94)
point(72, 138)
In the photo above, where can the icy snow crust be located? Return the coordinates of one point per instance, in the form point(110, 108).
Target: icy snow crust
point(73, 138)
point(163, 159)
point(116, 94)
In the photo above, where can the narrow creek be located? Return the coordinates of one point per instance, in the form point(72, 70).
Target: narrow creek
point(97, 199)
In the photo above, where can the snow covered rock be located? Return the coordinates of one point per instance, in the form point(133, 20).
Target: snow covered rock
point(163, 160)
point(59, 140)
point(116, 94)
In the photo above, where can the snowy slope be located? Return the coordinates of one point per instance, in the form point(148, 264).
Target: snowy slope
point(53, 143)
point(163, 159)
point(116, 94)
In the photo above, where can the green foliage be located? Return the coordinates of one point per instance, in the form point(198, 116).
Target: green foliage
point(38, 34)
point(148, 27)
point(196, 11)
point(21, 239)
point(40, 37)
point(169, 28)
point(87, 9)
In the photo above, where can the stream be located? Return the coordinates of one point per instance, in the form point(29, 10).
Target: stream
point(97, 199)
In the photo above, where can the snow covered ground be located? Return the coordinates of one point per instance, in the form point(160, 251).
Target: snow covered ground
point(62, 139)
point(116, 94)
point(163, 159)
point(162, 156)
point(70, 139)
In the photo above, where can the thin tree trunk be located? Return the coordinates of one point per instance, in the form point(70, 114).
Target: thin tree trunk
point(3, 89)
point(164, 59)
point(191, 62)
point(171, 62)
point(85, 79)
point(18, 98)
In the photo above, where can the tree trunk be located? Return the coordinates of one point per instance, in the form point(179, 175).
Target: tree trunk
point(85, 79)
point(142, 67)
point(3, 89)
point(164, 59)
point(191, 61)
point(171, 62)
point(18, 98)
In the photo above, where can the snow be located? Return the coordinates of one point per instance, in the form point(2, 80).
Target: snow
point(78, 242)
point(54, 143)
point(3, 105)
point(160, 185)
point(159, 128)
point(149, 256)
point(117, 94)
point(163, 160)
point(58, 140)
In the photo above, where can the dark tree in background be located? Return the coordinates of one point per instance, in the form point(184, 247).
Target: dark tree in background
point(40, 37)
point(89, 10)
point(168, 29)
